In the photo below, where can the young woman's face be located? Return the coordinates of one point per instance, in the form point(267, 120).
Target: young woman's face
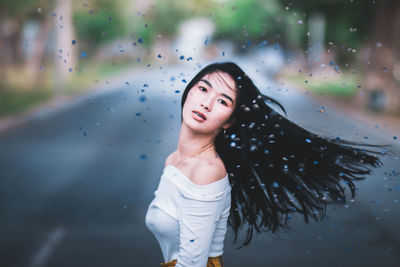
point(210, 103)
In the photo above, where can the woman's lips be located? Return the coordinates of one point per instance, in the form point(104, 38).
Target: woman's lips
point(199, 115)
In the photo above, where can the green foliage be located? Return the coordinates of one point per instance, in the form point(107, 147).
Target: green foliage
point(244, 20)
point(21, 10)
point(163, 18)
point(99, 24)
point(14, 101)
point(348, 23)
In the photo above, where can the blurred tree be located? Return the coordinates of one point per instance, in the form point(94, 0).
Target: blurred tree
point(365, 32)
point(245, 22)
point(13, 15)
point(98, 22)
point(347, 24)
point(163, 18)
point(65, 58)
point(383, 57)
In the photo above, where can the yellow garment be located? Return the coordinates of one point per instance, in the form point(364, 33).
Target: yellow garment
point(212, 262)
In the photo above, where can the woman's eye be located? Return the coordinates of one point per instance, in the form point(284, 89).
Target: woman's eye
point(203, 89)
point(223, 102)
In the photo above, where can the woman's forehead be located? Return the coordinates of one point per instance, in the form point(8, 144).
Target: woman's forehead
point(219, 78)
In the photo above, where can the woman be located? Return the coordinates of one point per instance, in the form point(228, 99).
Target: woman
point(275, 168)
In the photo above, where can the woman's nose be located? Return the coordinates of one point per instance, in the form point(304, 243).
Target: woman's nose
point(207, 103)
point(204, 106)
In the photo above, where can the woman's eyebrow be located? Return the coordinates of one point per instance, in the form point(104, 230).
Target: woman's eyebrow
point(228, 97)
point(225, 95)
point(207, 82)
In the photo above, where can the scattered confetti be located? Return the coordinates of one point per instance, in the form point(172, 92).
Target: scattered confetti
point(337, 68)
point(142, 98)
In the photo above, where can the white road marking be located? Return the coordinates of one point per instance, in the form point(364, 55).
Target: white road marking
point(45, 251)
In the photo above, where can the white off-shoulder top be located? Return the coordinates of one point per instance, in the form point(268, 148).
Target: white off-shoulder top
point(189, 221)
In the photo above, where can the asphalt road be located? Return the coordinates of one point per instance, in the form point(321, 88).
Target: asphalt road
point(76, 183)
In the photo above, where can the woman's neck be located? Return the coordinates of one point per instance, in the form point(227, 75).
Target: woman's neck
point(191, 144)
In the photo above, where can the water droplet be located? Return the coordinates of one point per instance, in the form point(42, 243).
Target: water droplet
point(142, 98)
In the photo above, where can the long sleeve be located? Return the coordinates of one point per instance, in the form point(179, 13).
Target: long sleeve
point(198, 218)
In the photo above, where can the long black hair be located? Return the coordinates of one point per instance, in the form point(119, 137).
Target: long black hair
point(277, 167)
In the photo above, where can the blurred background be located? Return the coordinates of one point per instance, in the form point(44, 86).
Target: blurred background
point(90, 108)
point(347, 50)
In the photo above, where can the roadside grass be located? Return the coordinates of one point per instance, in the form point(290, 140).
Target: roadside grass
point(14, 101)
point(19, 95)
point(345, 85)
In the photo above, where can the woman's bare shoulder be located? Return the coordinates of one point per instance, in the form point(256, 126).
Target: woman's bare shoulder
point(206, 171)
point(169, 159)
